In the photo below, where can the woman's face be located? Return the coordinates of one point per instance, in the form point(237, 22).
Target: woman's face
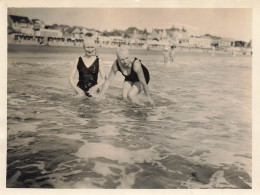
point(89, 47)
point(89, 50)
point(124, 59)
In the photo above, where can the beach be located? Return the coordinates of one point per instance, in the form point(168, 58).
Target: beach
point(198, 136)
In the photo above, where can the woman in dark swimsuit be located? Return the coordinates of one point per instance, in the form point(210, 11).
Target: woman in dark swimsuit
point(136, 76)
point(88, 68)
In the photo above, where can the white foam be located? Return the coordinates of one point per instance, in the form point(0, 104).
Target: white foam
point(127, 181)
point(107, 130)
point(121, 155)
point(73, 136)
point(102, 168)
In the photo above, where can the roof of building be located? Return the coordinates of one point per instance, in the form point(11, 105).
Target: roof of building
point(20, 19)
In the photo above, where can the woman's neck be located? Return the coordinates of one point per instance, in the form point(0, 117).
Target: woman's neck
point(88, 56)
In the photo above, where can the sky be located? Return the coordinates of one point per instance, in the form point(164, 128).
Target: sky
point(233, 23)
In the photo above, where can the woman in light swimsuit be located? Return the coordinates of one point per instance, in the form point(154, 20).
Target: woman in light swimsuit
point(136, 76)
point(88, 67)
point(166, 55)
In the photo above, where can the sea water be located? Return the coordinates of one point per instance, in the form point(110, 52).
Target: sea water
point(198, 135)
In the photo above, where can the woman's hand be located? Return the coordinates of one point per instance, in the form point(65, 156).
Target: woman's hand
point(96, 90)
point(80, 93)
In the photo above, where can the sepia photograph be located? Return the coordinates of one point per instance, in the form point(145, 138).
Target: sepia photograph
point(129, 98)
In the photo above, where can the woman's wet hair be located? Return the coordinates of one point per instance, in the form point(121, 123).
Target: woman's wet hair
point(89, 42)
point(122, 49)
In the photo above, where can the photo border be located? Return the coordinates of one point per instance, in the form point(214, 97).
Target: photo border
point(253, 4)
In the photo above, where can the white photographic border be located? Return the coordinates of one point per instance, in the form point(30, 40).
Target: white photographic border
point(253, 4)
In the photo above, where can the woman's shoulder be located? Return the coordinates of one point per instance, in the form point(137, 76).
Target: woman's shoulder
point(136, 64)
point(97, 58)
point(135, 61)
point(76, 60)
point(100, 61)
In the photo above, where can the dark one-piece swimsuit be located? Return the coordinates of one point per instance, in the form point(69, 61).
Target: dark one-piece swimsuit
point(87, 76)
point(132, 77)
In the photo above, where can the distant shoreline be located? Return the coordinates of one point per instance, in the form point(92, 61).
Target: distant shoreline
point(15, 48)
point(19, 48)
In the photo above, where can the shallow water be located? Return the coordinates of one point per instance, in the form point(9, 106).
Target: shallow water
point(197, 136)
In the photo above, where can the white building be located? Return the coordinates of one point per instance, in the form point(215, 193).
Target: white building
point(226, 42)
point(201, 42)
point(49, 33)
point(102, 40)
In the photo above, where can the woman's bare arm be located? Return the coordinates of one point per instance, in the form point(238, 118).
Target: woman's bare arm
point(140, 73)
point(109, 79)
point(101, 71)
point(71, 78)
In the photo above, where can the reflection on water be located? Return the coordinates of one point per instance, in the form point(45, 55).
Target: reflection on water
point(197, 136)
